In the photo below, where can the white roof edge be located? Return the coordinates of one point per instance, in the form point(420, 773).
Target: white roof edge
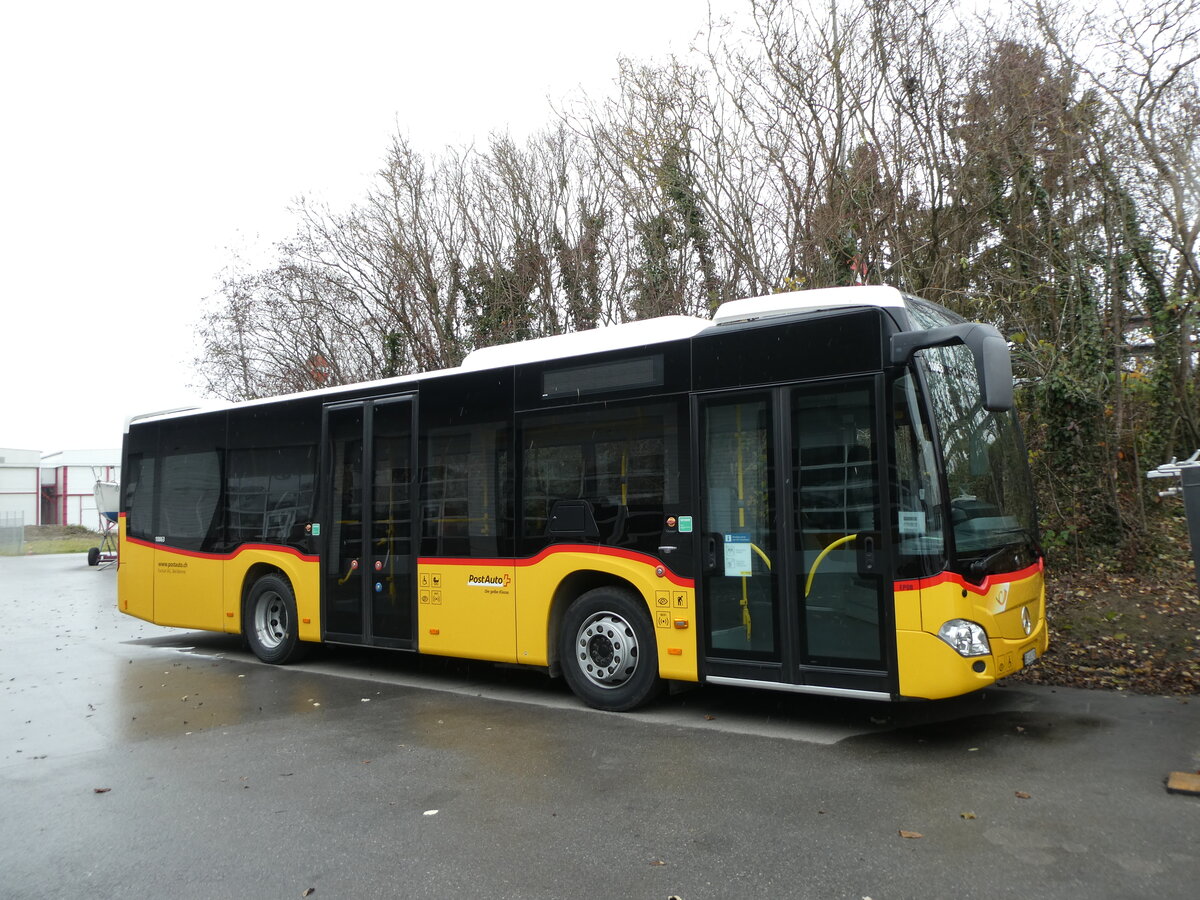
point(174, 411)
point(799, 301)
point(594, 340)
point(558, 346)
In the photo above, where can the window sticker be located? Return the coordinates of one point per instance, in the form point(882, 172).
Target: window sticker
point(737, 555)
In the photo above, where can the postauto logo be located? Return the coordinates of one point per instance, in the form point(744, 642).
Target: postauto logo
point(489, 580)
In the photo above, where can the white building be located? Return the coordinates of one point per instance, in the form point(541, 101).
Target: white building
point(68, 481)
point(20, 484)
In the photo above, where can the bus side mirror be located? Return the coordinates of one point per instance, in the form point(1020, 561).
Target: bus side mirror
point(993, 364)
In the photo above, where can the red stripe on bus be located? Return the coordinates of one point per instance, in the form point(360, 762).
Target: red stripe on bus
point(196, 554)
point(593, 549)
point(955, 578)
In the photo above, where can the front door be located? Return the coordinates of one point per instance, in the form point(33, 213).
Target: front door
point(367, 563)
point(793, 563)
point(837, 552)
point(740, 573)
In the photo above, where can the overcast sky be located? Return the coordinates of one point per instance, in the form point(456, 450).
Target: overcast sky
point(144, 142)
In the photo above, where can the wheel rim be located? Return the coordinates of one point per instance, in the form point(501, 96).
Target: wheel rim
point(270, 620)
point(606, 650)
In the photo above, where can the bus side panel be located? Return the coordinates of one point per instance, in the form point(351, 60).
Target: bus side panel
point(304, 573)
point(929, 668)
point(670, 601)
point(187, 590)
point(135, 577)
point(466, 609)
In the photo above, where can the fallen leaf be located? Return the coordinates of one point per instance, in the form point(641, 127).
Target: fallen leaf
point(709, 718)
point(657, 862)
point(101, 790)
point(967, 815)
point(910, 834)
point(309, 892)
point(1021, 795)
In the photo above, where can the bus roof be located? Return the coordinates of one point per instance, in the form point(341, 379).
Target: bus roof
point(668, 328)
point(791, 302)
point(595, 340)
point(613, 337)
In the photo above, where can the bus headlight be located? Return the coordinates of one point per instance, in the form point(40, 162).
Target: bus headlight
point(967, 638)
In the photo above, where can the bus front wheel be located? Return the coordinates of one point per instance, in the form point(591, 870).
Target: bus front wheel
point(269, 621)
point(608, 651)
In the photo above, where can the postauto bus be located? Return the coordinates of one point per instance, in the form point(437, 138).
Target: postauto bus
point(821, 491)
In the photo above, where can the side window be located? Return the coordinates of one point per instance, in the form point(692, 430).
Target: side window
point(191, 456)
point(138, 487)
point(190, 498)
point(269, 494)
point(466, 498)
point(623, 462)
point(917, 524)
point(553, 472)
point(138, 482)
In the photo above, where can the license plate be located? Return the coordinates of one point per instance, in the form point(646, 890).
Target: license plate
point(1030, 655)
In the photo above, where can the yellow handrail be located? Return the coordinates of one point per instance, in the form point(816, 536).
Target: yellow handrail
point(757, 549)
point(821, 556)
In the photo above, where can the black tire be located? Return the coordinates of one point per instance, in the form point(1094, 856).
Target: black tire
point(94, 556)
point(608, 651)
point(269, 621)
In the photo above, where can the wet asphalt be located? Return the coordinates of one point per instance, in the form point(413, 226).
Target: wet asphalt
point(142, 762)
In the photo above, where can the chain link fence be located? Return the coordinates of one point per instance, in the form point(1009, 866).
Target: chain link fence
point(12, 534)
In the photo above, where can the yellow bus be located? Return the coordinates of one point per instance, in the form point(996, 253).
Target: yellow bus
point(821, 491)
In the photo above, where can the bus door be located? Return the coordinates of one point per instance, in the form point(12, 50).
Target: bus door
point(367, 562)
point(837, 548)
point(740, 579)
point(792, 576)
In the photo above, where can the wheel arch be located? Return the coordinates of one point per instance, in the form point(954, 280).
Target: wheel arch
point(574, 585)
point(250, 576)
point(300, 573)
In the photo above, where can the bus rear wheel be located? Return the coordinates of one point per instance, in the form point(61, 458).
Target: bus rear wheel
point(269, 621)
point(608, 652)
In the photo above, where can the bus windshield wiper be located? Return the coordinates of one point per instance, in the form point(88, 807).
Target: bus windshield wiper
point(979, 567)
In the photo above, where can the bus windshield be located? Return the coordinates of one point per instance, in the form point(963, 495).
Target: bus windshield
point(990, 496)
point(990, 493)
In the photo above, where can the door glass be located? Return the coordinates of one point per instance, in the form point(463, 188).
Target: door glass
point(835, 478)
point(343, 569)
point(390, 582)
point(739, 530)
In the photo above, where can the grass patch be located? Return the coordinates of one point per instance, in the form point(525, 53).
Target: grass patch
point(61, 545)
point(41, 539)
